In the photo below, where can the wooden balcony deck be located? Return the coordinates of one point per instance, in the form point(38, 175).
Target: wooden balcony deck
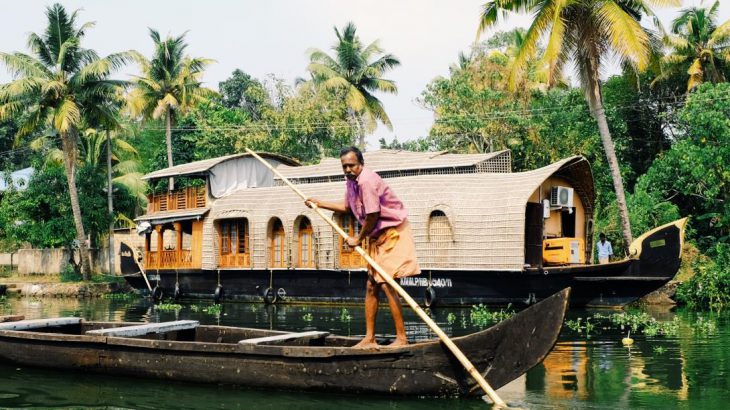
point(173, 259)
point(186, 198)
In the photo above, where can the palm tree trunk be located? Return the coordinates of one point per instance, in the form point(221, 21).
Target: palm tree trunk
point(110, 201)
point(361, 133)
point(357, 124)
point(168, 138)
point(68, 143)
point(596, 105)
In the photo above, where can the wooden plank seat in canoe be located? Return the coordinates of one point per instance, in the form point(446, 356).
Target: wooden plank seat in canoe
point(33, 324)
point(146, 329)
point(303, 336)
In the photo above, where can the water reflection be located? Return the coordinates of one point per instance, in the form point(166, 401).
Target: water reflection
point(690, 370)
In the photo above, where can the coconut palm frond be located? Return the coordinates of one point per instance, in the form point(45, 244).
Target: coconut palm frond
point(628, 39)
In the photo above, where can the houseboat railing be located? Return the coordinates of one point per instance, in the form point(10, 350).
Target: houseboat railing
point(186, 198)
point(169, 259)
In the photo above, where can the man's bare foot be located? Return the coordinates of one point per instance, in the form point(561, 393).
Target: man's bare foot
point(367, 344)
point(398, 342)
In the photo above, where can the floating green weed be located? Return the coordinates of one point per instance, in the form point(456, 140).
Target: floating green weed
point(636, 322)
point(704, 327)
point(581, 326)
point(121, 296)
point(307, 317)
point(168, 307)
point(480, 315)
point(214, 309)
point(659, 349)
point(451, 318)
point(345, 315)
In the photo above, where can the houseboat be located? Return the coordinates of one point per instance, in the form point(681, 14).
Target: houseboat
point(483, 234)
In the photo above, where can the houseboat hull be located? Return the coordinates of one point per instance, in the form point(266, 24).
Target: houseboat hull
point(656, 259)
point(284, 360)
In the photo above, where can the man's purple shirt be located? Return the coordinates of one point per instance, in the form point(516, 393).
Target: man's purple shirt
point(368, 194)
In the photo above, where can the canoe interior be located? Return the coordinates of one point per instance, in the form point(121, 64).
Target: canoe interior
point(313, 361)
point(202, 334)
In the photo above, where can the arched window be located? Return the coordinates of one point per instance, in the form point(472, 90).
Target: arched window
point(349, 258)
point(234, 250)
point(277, 244)
point(440, 240)
point(305, 244)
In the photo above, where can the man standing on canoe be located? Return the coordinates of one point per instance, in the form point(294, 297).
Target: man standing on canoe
point(384, 223)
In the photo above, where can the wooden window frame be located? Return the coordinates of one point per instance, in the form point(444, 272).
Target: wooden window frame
point(274, 235)
point(308, 230)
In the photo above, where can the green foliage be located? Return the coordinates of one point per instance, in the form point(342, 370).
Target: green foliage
point(694, 173)
point(307, 317)
point(345, 315)
point(474, 112)
point(646, 113)
point(69, 274)
point(698, 47)
point(40, 214)
point(302, 123)
point(355, 73)
point(710, 286)
point(647, 210)
point(245, 93)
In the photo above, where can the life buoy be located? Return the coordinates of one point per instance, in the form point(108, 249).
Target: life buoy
point(429, 296)
point(157, 293)
point(218, 294)
point(176, 293)
point(270, 296)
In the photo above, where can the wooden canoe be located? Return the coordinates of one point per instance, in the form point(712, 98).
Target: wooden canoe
point(185, 351)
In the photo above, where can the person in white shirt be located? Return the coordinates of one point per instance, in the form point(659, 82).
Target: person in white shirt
point(603, 248)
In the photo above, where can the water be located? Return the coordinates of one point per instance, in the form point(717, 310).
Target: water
point(689, 370)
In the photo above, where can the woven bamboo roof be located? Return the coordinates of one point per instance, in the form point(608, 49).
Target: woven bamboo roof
point(486, 210)
point(203, 166)
point(392, 160)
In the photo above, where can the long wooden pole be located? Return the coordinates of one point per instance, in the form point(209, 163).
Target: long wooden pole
point(390, 281)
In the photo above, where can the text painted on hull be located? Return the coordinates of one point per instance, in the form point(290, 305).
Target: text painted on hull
point(424, 282)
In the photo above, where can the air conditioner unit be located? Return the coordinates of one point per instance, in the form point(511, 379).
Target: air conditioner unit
point(561, 196)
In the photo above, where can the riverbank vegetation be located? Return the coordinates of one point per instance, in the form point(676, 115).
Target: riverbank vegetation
point(657, 133)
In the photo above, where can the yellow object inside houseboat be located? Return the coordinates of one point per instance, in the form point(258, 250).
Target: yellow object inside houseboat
point(563, 251)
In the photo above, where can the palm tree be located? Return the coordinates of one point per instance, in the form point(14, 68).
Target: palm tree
point(57, 88)
point(698, 47)
point(586, 31)
point(169, 85)
point(357, 72)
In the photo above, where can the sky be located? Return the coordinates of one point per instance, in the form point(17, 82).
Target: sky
point(272, 37)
